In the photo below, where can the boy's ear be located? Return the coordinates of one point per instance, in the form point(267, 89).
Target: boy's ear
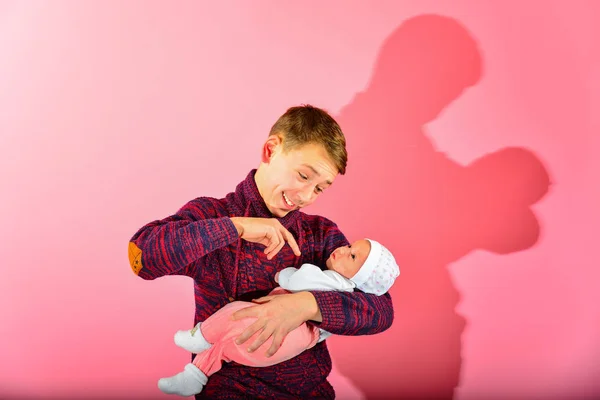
point(271, 147)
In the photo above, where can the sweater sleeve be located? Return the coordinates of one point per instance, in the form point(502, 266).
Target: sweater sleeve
point(171, 245)
point(349, 313)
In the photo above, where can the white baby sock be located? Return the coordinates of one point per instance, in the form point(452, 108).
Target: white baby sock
point(192, 340)
point(186, 383)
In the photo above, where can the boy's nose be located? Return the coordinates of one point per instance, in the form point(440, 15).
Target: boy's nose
point(305, 196)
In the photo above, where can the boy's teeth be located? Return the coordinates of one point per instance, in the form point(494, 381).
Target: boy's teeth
point(287, 200)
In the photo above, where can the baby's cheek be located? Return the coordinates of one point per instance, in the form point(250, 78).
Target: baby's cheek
point(354, 270)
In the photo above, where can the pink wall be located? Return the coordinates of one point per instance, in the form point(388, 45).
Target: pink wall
point(473, 156)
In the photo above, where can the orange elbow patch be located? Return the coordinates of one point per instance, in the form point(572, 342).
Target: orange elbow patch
point(135, 258)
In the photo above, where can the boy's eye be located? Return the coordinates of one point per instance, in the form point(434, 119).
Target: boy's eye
point(304, 177)
point(318, 189)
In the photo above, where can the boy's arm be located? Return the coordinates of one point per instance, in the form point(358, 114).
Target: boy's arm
point(168, 246)
point(341, 313)
point(344, 313)
point(355, 313)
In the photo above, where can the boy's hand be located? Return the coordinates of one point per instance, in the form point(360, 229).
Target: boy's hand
point(277, 316)
point(266, 231)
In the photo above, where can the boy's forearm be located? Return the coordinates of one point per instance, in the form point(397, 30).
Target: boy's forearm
point(354, 313)
point(167, 246)
point(313, 313)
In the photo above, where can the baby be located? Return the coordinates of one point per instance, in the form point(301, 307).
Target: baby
point(365, 265)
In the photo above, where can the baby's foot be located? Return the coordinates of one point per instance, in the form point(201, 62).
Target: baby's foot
point(189, 382)
point(192, 340)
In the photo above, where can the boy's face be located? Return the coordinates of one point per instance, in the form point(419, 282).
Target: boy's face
point(294, 179)
point(347, 260)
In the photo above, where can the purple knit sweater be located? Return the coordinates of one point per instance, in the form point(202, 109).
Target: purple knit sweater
point(200, 241)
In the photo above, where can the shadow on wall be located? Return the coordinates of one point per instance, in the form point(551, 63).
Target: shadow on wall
point(429, 210)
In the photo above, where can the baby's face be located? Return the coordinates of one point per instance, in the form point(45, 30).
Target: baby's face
point(347, 260)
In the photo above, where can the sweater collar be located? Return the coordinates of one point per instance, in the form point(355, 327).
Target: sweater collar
point(254, 205)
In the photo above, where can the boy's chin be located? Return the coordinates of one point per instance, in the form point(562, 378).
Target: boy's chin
point(277, 212)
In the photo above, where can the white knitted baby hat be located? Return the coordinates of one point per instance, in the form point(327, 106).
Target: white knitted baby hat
point(378, 273)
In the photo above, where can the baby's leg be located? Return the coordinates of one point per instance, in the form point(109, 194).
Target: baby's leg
point(188, 382)
point(219, 333)
point(192, 379)
point(222, 332)
point(194, 341)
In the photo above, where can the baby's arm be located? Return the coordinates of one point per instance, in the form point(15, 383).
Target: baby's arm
point(311, 277)
point(285, 274)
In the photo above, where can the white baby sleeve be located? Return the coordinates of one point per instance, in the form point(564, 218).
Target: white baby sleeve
point(311, 277)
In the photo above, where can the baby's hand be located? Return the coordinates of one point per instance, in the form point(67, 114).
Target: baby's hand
point(277, 277)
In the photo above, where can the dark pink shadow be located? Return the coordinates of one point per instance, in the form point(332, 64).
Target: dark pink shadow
point(428, 209)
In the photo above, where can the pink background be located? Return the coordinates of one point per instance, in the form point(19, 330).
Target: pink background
point(116, 113)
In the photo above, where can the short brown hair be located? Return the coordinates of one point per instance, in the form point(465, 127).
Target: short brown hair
point(306, 124)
